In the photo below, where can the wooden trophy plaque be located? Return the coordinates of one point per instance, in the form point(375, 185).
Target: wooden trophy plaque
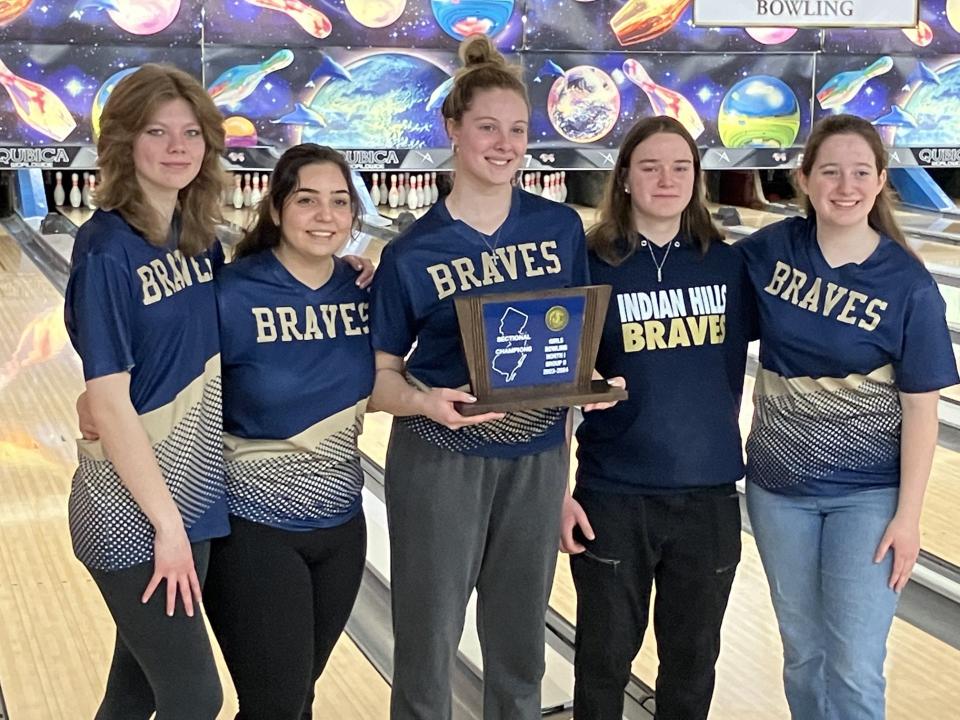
point(535, 349)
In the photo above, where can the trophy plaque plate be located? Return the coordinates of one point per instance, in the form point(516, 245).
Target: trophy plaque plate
point(535, 349)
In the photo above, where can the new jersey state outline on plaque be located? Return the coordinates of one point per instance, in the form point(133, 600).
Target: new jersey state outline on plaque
point(513, 344)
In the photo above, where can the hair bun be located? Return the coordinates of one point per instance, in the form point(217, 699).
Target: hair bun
point(479, 50)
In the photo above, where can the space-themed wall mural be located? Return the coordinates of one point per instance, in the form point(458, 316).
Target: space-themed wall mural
point(432, 24)
point(369, 76)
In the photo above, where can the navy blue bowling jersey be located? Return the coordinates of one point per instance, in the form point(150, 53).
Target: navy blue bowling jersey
point(151, 311)
point(681, 344)
point(297, 372)
point(540, 246)
point(837, 346)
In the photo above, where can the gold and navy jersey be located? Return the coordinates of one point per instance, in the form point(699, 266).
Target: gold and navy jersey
point(297, 371)
point(150, 311)
point(837, 346)
point(540, 246)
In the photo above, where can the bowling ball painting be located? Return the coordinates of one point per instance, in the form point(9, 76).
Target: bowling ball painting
point(583, 104)
point(383, 106)
point(460, 18)
point(936, 109)
point(759, 111)
point(100, 99)
point(10, 10)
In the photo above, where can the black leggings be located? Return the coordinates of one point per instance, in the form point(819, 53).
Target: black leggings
point(277, 601)
point(160, 664)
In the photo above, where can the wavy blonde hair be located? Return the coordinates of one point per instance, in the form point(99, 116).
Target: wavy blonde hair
point(129, 109)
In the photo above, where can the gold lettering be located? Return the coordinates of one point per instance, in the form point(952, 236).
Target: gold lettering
point(491, 274)
point(442, 280)
point(552, 258)
point(465, 270)
point(525, 250)
point(698, 328)
point(678, 334)
point(873, 311)
point(288, 324)
point(717, 329)
point(852, 299)
point(632, 337)
point(151, 291)
point(508, 255)
point(780, 274)
point(329, 315)
point(835, 294)
point(311, 329)
point(266, 330)
point(203, 275)
point(363, 310)
point(160, 271)
point(654, 330)
point(792, 293)
point(345, 313)
point(811, 301)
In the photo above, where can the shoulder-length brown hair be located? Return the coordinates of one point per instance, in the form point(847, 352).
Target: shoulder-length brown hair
point(129, 109)
point(284, 182)
point(614, 238)
point(881, 216)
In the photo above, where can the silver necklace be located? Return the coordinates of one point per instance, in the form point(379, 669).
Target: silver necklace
point(496, 241)
point(659, 265)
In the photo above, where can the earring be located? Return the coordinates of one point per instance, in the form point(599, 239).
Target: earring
point(626, 189)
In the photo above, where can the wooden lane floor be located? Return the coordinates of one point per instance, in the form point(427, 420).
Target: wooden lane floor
point(56, 636)
point(921, 669)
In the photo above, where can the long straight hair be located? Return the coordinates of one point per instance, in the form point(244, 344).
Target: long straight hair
point(284, 182)
point(880, 217)
point(615, 238)
point(129, 109)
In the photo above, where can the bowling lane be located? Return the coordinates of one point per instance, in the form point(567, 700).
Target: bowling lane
point(921, 669)
point(56, 636)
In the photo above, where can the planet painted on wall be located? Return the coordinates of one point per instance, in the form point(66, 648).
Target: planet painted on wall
point(583, 104)
point(239, 132)
point(953, 14)
point(10, 10)
point(376, 13)
point(383, 106)
point(759, 111)
point(936, 109)
point(100, 99)
point(771, 35)
point(460, 18)
point(139, 17)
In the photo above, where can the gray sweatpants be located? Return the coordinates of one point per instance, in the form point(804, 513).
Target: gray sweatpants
point(458, 522)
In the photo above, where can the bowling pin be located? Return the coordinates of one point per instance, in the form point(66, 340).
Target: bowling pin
point(265, 185)
point(421, 196)
point(237, 192)
point(75, 197)
point(246, 190)
point(85, 190)
point(393, 197)
point(434, 191)
point(383, 189)
point(59, 196)
point(563, 186)
point(412, 196)
point(91, 192)
point(255, 191)
point(375, 189)
point(402, 189)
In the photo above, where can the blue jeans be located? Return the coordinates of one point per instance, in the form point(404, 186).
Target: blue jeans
point(832, 601)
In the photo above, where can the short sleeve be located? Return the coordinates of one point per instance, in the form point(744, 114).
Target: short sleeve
point(581, 268)
point(98, 315)
point(392, 322)
point(926, 361)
